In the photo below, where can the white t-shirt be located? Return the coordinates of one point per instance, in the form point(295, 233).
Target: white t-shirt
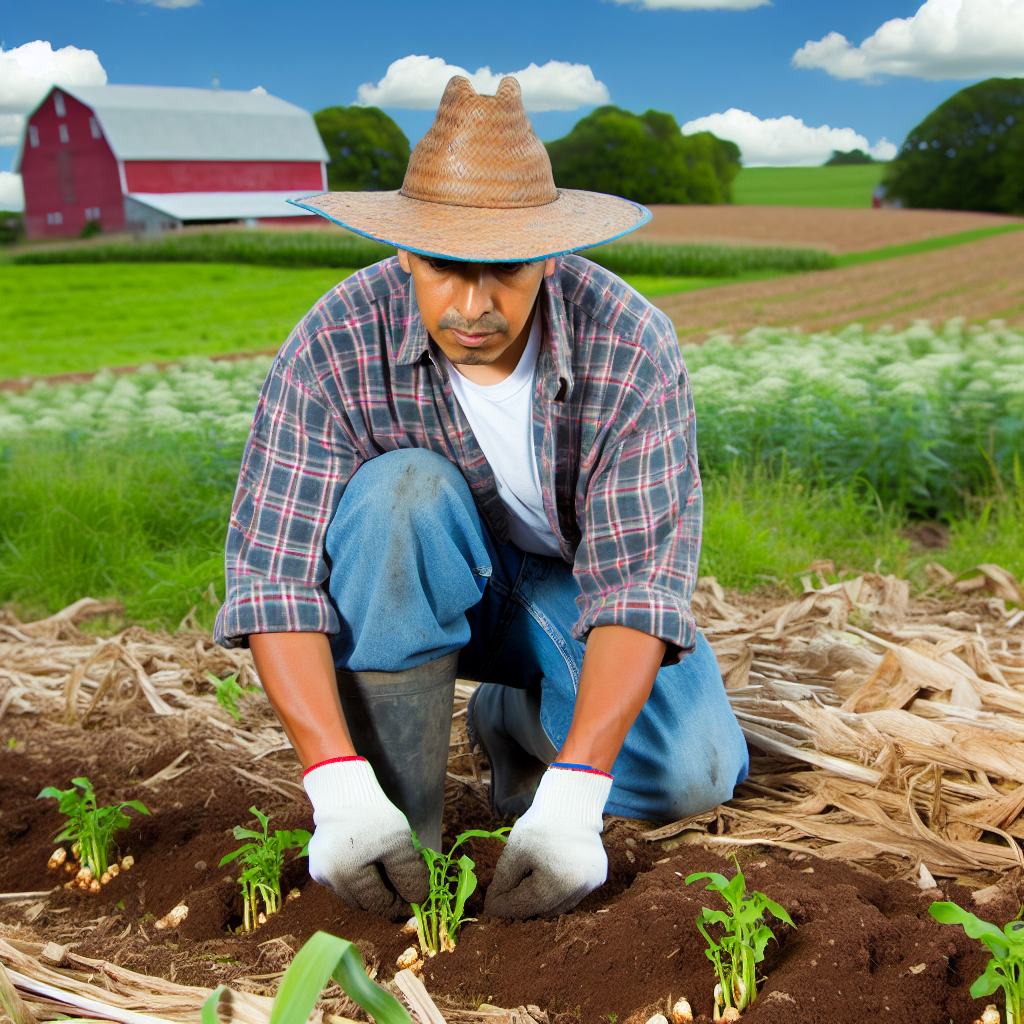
point(501, 416)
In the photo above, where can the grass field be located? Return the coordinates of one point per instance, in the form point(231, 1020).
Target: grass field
point(67, 318)
point(807, 186)
point(125, 314)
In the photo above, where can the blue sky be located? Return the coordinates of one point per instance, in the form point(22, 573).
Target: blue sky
point(692, 63)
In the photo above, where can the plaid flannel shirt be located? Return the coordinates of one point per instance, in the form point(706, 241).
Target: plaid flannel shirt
point(613, 430)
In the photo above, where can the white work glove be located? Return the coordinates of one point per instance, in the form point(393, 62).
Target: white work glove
point(361, 836)
point(554, 855)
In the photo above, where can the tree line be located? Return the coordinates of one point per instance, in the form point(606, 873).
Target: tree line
point(967, 154)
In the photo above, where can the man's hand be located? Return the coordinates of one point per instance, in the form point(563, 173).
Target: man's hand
point(362, 847)
point(554, 856)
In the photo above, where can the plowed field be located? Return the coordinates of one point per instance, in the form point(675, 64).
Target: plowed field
point(837, 230)
point(980, 280)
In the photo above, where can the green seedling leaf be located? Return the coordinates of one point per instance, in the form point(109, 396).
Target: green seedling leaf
point(452, 882)
point(321, 958)
point(950, 913)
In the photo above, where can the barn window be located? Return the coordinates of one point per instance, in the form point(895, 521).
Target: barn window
point(55, 218)
point(58, 104)
point(92, 213)
point(33, 136)
point(94, 128)
point(62, 131)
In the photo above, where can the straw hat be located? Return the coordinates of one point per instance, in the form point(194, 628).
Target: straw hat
point(479, 187)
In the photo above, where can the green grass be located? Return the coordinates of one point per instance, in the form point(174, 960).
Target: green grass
point(653, 285)
point(852, 259)
point(700, 259)
point(849, 186)
point(65, 319)
point(143, 521)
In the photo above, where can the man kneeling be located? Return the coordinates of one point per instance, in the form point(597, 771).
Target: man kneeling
point(478, 458)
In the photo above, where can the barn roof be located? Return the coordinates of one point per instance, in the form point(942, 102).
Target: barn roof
point(152, 122)
point(221, 205)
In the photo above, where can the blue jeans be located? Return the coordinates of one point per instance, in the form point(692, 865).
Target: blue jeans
point(416, 575)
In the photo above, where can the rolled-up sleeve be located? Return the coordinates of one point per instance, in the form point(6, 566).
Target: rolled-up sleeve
point(294, 468)
point(637, 560)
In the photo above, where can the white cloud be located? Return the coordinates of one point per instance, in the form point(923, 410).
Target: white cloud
point(784, 141)
point(417, 82)
point(27, 73)
point(12, 195)
point(171, 5)
point(944, 39)
point(698, 5)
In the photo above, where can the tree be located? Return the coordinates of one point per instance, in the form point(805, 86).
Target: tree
point(644, 158)
point(369, 152)
point(967, 154)
point(853, 156)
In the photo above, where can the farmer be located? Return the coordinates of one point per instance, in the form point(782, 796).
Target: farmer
point(478, 458)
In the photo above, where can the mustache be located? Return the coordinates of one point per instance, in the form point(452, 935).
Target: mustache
point(491, 322)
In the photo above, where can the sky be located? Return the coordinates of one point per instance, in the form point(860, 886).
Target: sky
point(788, 80)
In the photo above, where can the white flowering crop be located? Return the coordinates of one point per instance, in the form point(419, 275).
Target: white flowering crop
point(198, 396)
point(920, 416)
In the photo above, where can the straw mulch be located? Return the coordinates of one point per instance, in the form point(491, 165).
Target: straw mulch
point(878, 726)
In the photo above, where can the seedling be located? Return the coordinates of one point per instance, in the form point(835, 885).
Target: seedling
point(1006, 968)
point(227, 692)
point(323, 957)
point(262, 863)
point(744, 937)
point(452, 882)
point(90, 829)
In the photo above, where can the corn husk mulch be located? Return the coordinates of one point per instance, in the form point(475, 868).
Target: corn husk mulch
point(878, 726)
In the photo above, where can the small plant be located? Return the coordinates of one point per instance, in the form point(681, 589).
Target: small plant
point(262, 863)
point(1006, 968)
point(321, 958)
point(91, 831)
point(227, 692)
point(452, 882)
point(744, 937)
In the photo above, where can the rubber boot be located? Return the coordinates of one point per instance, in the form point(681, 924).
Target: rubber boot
point(401, 723)
point(505, 723)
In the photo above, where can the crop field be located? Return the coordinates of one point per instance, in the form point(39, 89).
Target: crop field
point(981, 280)
point(832, 230)
point(843, 186)
point(859, 586)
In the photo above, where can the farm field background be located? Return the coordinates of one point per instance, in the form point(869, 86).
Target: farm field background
point(845, 186)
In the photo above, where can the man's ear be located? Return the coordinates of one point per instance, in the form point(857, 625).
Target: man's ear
point(403, 261)
point(549, 266)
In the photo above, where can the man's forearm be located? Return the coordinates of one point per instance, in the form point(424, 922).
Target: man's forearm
point(297, 672)
point(619, 668)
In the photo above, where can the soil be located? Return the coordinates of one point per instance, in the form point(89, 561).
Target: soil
point(979, 281)
point(863, 947)
point(836, 230)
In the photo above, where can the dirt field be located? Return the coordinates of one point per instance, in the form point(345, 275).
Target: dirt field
point(136, 715)
point(980, 281)
point(837, 230)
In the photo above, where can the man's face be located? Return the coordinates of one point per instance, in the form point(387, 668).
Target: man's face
point(476, 312)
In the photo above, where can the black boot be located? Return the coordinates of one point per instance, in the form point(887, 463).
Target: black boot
point(401, 723)
point(505, 723)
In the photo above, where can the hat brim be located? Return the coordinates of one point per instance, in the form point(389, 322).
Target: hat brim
point(575, 220)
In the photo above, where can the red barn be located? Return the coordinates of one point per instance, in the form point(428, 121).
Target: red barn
point(144, 157)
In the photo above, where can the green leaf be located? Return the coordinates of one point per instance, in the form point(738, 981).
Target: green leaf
point(322, 957)
point(717, 881)
point(464, 889)
point(136, 805)
point(991, 981)
point(950, 913)
point(51, 792)
point(777, 910)
point(228, 857)
point(220, 995)
point(247, 833)
point(260, 816)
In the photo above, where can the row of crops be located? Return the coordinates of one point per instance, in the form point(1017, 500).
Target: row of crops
point(920, 417)
point(335, 249)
